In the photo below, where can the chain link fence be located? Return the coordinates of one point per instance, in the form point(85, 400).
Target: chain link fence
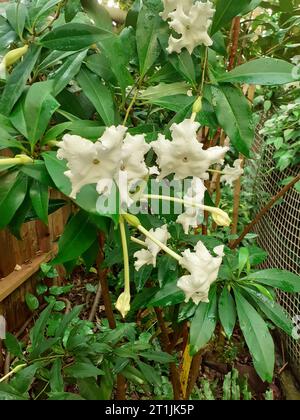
point(279, 232)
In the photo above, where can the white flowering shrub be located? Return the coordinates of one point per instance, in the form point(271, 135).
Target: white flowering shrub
point(128, 121)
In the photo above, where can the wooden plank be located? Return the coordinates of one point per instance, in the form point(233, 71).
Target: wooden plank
point(14, 280)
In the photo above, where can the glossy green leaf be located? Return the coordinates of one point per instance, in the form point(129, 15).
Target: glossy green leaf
point(272, 310)
point(234, 116)
point(264, 71)
point(83, 370)
point(227, 312)
point(100, 96)
point(281, 279)
point(257, 336)
point(204, 323)
point(226, 10)
point(40, 200)
point(168, 295)
point(32, 302)
point(16, 14)
point(73, 37)
point(67, 71)
point(78, 236)
point(184, 64)
point(39, 107)
point(148, 46)
point(23, 379)
point(17, 80)
point(13, 188)
point(8, 393)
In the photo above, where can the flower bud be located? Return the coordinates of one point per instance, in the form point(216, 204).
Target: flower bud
point(132, 220)
point(13, 56)
point(123, 304)
point(24, 159)
point(220, 217)
point(197, 105)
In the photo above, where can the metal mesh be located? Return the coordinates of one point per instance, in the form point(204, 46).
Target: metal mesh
point(279, 231)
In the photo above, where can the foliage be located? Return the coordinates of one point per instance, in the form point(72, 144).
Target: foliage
point(82, 76)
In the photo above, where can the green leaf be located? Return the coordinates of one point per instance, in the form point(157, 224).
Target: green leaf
point(39, 107)
point(264, 71)
point(164, 90)
point(83, 370)
point(78, 236)
point(38, 171)
point(272, 310)
point(38, 330)
point(226, 10)
point(64, 396)
point(23, 379)
point(227, 312)
point(13, 188)
point(150, 373)
point(98, 14)
point(73, 37)
point(16, 14)
point(13, 346)
point(204, 323)
point(56, 380)
point(157, 356)
point(184, 64)
point(32, 302)
point(114, 51)
point(17, 80)
point(71, 9)
point(89, 389)
point(235, 116)
point(8, 393)
point(100, 96)
point(168, 295)
point(67, 71)
point(243, 258)
point(40, 200)
point(257, 336)
point(142, 276)
point(148, 46)
point(281, 279)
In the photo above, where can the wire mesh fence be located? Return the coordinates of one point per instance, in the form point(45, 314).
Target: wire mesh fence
point(279, 231)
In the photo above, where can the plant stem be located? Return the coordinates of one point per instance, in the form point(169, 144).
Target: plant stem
point(160, 244)
point(125, 255)
point(265, 210)
point(165, 343)
point(138, 241)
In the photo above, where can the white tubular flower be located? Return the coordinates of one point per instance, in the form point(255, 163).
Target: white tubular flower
point(92, 163)
point(204, 269)
point(192, 25)
point(171, 5)
point(230, 175)
point(184, 155)
point(133, 165)
point(191, 216)
point(148, 256)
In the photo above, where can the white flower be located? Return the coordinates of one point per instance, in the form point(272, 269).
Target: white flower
point(203, 268)
point(171, 5)
point(192, 215)
point(133, 167)
point(192, 25)
point(184, 155)
point(231, 175)
point(123, 303)
point(92, 163)
point(148, 256)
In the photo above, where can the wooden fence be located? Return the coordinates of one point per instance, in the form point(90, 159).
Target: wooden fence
point(20, 262)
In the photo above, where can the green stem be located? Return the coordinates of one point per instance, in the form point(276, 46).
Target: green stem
point(17, 160)
point(125, 256)
point(160, 244)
